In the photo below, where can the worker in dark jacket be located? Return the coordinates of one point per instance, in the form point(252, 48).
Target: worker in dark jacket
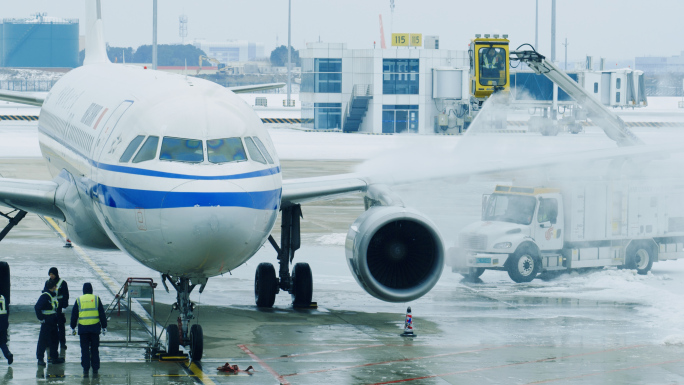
point(63, 299)
point(46, 311)
point(4, 324)
point(88, 313)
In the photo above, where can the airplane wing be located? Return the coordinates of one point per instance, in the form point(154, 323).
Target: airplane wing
point(255, 87)
point(30, 98)
point(33, 196)
point(303, 190)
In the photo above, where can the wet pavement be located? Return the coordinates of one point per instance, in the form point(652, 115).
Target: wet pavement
point(604, 327)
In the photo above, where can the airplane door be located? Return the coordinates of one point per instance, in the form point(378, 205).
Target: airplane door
point(107, 129)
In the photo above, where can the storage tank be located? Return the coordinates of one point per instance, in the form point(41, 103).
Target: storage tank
point(39, 41)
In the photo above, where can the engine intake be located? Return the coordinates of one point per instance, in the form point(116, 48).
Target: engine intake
point(396, 254)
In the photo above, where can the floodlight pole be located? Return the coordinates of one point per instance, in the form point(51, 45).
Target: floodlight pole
point(154, 34)
point(289, 51)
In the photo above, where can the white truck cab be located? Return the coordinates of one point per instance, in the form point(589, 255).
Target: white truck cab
point(526, 231)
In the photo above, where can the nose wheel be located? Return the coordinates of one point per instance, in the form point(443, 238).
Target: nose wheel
point(182, 334)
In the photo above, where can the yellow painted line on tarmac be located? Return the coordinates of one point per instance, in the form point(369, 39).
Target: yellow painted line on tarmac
point(200, 374)
point(111, 284)
point(105, 277)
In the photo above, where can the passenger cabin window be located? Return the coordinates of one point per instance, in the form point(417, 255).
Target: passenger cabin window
point(148, 151)
point(263, 149)
point(130, 150)
point(226, 150)
point(182, 150)
point(492, 66)
point(254, 151)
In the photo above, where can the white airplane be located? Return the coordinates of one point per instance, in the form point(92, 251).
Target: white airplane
point(181, 174)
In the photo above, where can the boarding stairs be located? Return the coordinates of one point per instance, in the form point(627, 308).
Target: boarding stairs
point(357, 107)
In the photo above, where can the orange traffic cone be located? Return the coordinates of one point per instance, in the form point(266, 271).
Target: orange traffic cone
point(68, 243)
point(408, 324)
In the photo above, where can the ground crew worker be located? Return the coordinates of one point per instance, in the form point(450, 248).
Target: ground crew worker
point(46, 311)
point(89, 314)
point(4, 324)
point(63, 298)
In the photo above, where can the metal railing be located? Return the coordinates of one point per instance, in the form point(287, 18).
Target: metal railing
point(357, 90)
point(27, 85)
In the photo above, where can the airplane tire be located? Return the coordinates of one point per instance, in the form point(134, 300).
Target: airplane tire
point(523, 265)
point(5, 281)
point(173, 339)
point(302, 285)
point(265, 285)
point(196, 342)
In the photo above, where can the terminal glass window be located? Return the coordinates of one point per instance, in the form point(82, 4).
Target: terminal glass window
point(327, 116)
point(254, 151)
point(225, 150)
point(492, 66)
point(130, 150)
point(182, 150)
point(400, 76)
point(510, 208)
point(322, 75)
point(399, 118)
point(148, 151)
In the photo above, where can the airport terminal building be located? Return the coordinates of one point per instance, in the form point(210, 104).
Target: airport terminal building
point(372, 90)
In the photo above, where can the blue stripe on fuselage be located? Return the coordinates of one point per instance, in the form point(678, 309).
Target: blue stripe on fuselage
point(159, 174)
point(123, 198)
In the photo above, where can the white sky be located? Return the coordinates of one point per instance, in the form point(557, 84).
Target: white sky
point(613, 29)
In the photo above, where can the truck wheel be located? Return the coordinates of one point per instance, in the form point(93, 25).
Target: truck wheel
point(473, 272)
point(522, 266)
point(640, 259)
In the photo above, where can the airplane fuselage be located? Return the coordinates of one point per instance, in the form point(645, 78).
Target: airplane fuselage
point(178, 172)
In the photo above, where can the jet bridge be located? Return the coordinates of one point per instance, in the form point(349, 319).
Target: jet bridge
point(612, 125)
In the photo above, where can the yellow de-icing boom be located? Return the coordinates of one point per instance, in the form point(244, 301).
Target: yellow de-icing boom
point(489, 66)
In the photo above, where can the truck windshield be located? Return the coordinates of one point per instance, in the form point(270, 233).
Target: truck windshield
point(510, 208)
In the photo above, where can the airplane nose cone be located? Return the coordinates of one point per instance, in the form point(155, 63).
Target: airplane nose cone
point(206, 223)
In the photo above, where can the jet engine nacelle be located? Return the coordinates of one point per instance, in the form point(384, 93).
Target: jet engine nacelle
point(396, 254)
point(73, 198)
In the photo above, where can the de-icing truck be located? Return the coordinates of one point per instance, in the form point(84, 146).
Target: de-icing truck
point(526, 231)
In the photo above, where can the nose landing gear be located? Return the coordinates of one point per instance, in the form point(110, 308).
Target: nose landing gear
point(183, 334)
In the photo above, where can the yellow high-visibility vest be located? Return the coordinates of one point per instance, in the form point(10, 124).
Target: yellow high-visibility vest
point(88, 305)
point(59, 285)
point(3, 308)
point(53, 302)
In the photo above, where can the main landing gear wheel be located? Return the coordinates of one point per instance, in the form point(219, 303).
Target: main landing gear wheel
point(522, 266)
point(265, 285)
point(172, 338)
point(302, 285)
point(196, 342)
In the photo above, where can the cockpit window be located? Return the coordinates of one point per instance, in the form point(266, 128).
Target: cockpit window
point(226, 150)
point(148, 150)
point(254, 151)
point(182, 150)
point(130, 150)
point(263, 149)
